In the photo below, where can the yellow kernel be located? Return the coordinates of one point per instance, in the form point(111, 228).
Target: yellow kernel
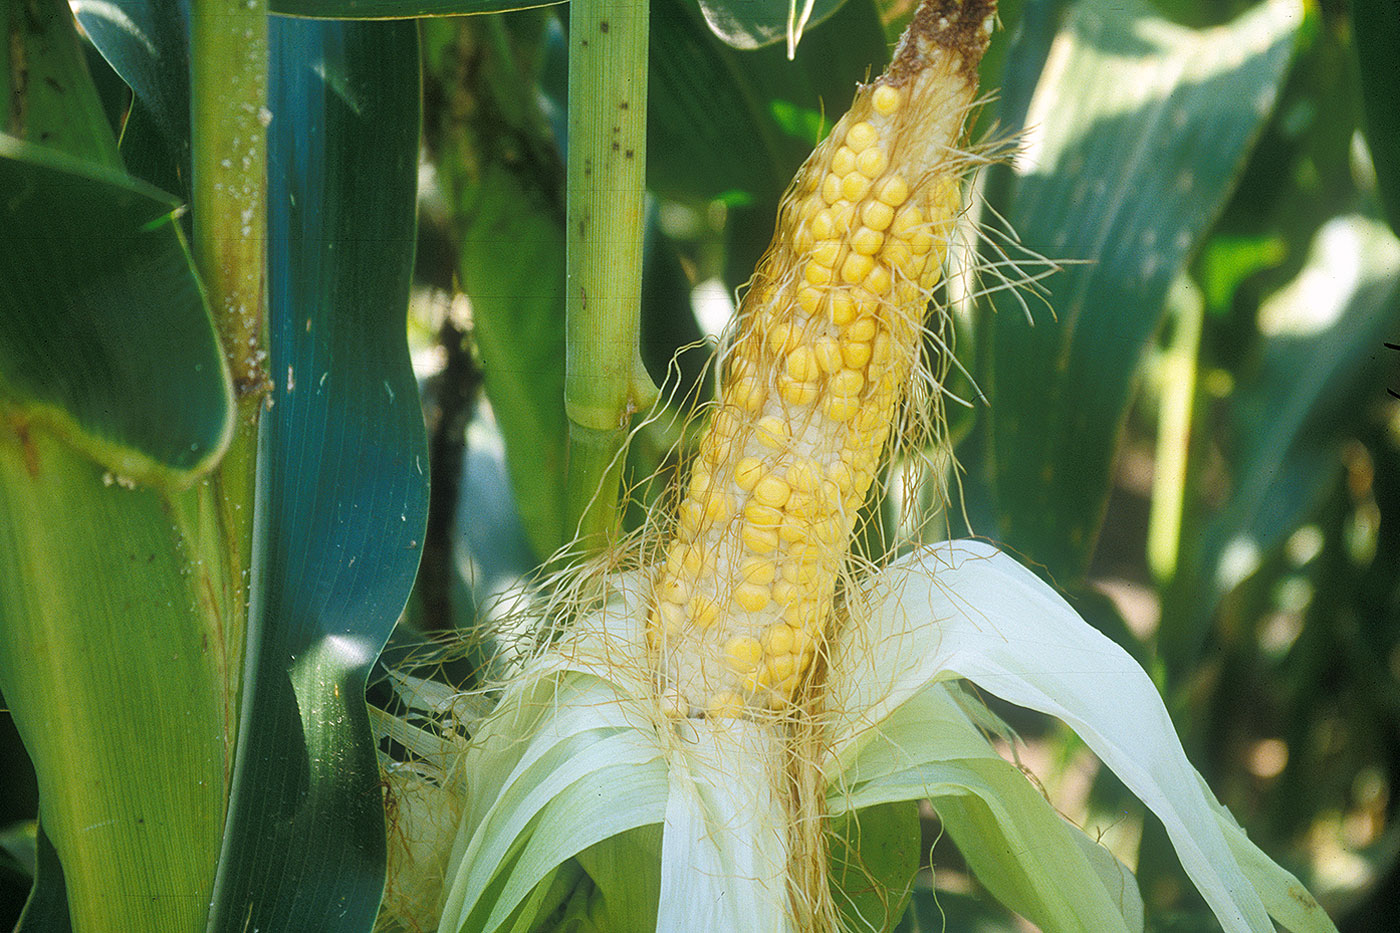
point(781, 338)
point(747, 473)
point(861, 329)
point(799, 572)
point(759, 571)
point(809, 298)
point(841, 214)
point(782, 667)
point(818, 274)
point(772, 432)
point(826, 252)
point(802, 364)
point(795, 392)
point(894, 191)
point(777, 639)
point(856, 268)
point(870, 418)
point(877, 280)
point(772, 492)
point(810, 208)
point(823, 225)
point(842, 308)
point(747, 393)
point(840, 408)
point(840, 474)
point(726, 704)
point(867, 242)
point(885, 100)
point(802, 241)
point(751, 596)
point(861, 136)
point(880, 354)
point(717, 506)
point(759, 540)
point(803, 642)
point(673, 704)
point(847, 383)
point(785, 593)
point(802, 477)
point(828, 352)
point(670, 618)
point(855, 185)
point(877, 215)
point(799, 616)
point(700, 480)
point(724, 424)
point(907, 221)
point(843, 161)
point(855, 354)
point(920, 241)
point(782, 692)
point(702, 611)
point(831, 188)
point(872, 162)
point(743, 652)
point(898, 255)
point(793, 531)
point(693, 562)
point(763, 516)
point(671, 591)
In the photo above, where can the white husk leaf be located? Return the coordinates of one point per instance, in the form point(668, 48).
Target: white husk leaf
point(579, 751)
point(963, 609)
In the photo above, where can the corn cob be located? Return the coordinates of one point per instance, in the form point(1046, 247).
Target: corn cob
point(830, 334)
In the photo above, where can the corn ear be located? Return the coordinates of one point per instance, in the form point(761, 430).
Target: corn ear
point(830, 335)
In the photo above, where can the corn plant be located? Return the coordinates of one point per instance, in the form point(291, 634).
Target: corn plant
point(774, 624)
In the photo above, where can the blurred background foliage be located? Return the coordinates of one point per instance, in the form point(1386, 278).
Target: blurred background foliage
point(1189, 425)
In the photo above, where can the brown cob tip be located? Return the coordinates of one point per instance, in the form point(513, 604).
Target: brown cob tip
point(960, 26)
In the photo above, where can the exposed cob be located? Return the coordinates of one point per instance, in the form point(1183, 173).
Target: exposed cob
point(830, 334)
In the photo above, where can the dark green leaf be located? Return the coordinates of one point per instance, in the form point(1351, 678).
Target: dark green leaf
point(342, 494)
point(1140, 129)
point(47, 908)
point(104, 331)
point(738, 124)
point(147, 43)
point(752, 24)
point(1376, 28)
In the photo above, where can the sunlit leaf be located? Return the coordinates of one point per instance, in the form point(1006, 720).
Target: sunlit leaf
point(1137, 132)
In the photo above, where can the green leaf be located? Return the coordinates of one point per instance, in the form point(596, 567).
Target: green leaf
point(874, 858)
point(752, 24)
point(1139, 130)
point(46, 911)
point(1376, 35)
point(105, 336)
point(342, 494)
point(117, 661)
point(1322, 365)
point(399, 9)
point(762, 114)
point(147, 44)
point(927, 747)
point(503, 178)
point(46, 90)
